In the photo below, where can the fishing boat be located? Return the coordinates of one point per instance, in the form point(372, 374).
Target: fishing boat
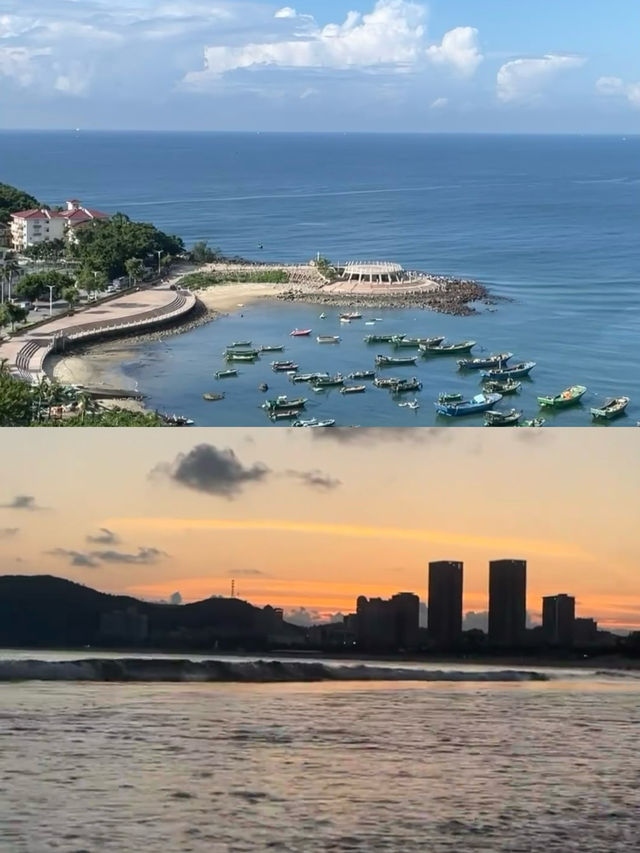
point(211, 396)
point(391, 361)
point(381, 339)
point(272, 348)
point(502, 386)
point(514, 372)
point(447, 349)
point(328, 339)
point(241, 356)
point(345, 320)
point(313, 422)
point(240, 344)
point(300, 333)
point(498, 360)
point(386, 382)
point(353, 315)
point(479, 403)
point(328, 381)
point(284, 414)
point(176, 420)
point(362, 374)
point(533, 422)
point(353, 389)
point(403, 341)
point(412, 404)
point(495, 418)
point(323, 316)
point(369, 322)
point(611, 408)
point(569, 397)
point(449, 398)
point(225, 374)
point(283, 402)
point(403, 385)
point(263, 387)
point(308, 377)
point(283, 365)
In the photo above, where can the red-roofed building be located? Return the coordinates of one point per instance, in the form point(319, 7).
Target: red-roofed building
point(29, 227)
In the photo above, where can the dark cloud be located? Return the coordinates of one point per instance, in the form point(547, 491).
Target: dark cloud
point(5, 532)
point(145, 556)
point(212, 471)
point(104, 537)
point(303, 616)
point(246, 573)
point(315, 479)
point(26, 502)
point(76, 558)
point(378, 435)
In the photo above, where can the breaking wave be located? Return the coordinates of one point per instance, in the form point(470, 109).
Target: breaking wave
point(162, 669)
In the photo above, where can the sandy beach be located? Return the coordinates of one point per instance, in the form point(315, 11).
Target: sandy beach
point(224, 298)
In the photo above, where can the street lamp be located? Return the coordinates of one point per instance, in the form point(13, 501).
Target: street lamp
point(51, 289)
point(158, 253)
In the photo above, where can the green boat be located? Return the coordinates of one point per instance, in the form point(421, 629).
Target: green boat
point(416, 342)
point(502, 386)
point(241, 356)
point(272, 348)
point(449, 398)
point(612, 408)
point(447, 349)
point(224, 374)
point(382, 339)
point(239, 344)
point(328, 382)
point(568, 397)
point(284, 403)
point(390, 361)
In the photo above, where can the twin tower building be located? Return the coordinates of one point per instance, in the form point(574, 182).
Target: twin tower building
point(507, 602)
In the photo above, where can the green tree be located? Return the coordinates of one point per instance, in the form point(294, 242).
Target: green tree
point(15, 400)
point(8, 271)
point(15, 313)
point(37, 284)
point(135, 270)
point(70, 295)
point(12, 200)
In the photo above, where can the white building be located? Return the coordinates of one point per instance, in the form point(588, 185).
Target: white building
point(30, 227)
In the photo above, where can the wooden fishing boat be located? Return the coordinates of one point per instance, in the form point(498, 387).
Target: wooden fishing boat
point(612, 407)
point(402, 341)
point(392, 361)
point(277, 366)
point(495, 418)
point(514, 372)
point(404, 385)
point(352, 315)
point(300, 333)
point(308, 377)
point(241, 356)
point(272, 348)
point(283, 402)
point(353, 389)
point(239, 344)
point(210, 396)
point(225, 374)
point(284, 414)
point(449, 398)
point(328, 381)
point(328, 339)
point(312, 422)
point(569, 397)
point(362, 374)
point(381, 339)
point(498, 360)
point(479, 403)
point(447, 349)
point(502, 386)
point(384, 382)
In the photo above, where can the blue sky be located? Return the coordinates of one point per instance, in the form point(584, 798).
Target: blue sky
point(373, 65)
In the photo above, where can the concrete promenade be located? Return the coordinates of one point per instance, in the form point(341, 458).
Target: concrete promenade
point(143, 309)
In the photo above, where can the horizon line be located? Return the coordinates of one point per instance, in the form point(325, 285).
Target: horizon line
point(576, 133)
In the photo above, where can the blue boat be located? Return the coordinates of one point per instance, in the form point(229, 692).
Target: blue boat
point(514, 372)
point(479, 403)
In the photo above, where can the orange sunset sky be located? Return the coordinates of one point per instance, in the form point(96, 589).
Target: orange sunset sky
point(313, 518)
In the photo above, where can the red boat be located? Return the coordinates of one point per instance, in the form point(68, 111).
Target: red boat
point(300, 333)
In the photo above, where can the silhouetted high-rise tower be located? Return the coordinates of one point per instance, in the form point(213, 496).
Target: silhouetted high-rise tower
point(445, 602)
point(507, 602)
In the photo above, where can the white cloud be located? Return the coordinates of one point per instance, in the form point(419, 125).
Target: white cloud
point(439, 103)
point(21, 64)
point(308, 93)
point(286, 12)
point(523, 79)
point(459, 50)
point(612, 86)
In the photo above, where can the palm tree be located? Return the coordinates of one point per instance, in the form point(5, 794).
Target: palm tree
point(135, 269)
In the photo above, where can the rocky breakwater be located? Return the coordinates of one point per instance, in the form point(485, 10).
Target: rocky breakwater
point(458, 297)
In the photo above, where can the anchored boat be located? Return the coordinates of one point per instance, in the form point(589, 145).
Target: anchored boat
point(362, 374)
point(386, 382)
point(514, 372)
point(328, 339)
point(240, 344)
point(611, 408)
point(569, 397)
point(353, 315)
point(272, 348)
point(381, 339)
point(211, 396)
point(449, 398)
point(300, 333)
point(328, 382)
point(479, 403)
point(402, 341)
point(390, 361)
point(502, 386)
point(283, 402)
point(447, 349)
point(498, 361)
point(284, 414)
point(225, 374)
point(312, 422)
point(353, 389)
point(495, 418)
point(403, 385)
point(241, 356)
point(283, 365)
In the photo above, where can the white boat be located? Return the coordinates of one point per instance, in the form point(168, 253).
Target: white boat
point(323, 316)
point(328, 339)
point(345, 320)
point(412, 404)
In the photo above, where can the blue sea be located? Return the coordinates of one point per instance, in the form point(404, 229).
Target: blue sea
point(550, 222)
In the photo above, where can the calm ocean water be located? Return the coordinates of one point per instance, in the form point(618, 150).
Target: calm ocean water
point(385, 766)
point(550, 222)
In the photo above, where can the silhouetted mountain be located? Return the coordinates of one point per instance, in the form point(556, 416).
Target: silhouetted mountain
point(43, 610)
